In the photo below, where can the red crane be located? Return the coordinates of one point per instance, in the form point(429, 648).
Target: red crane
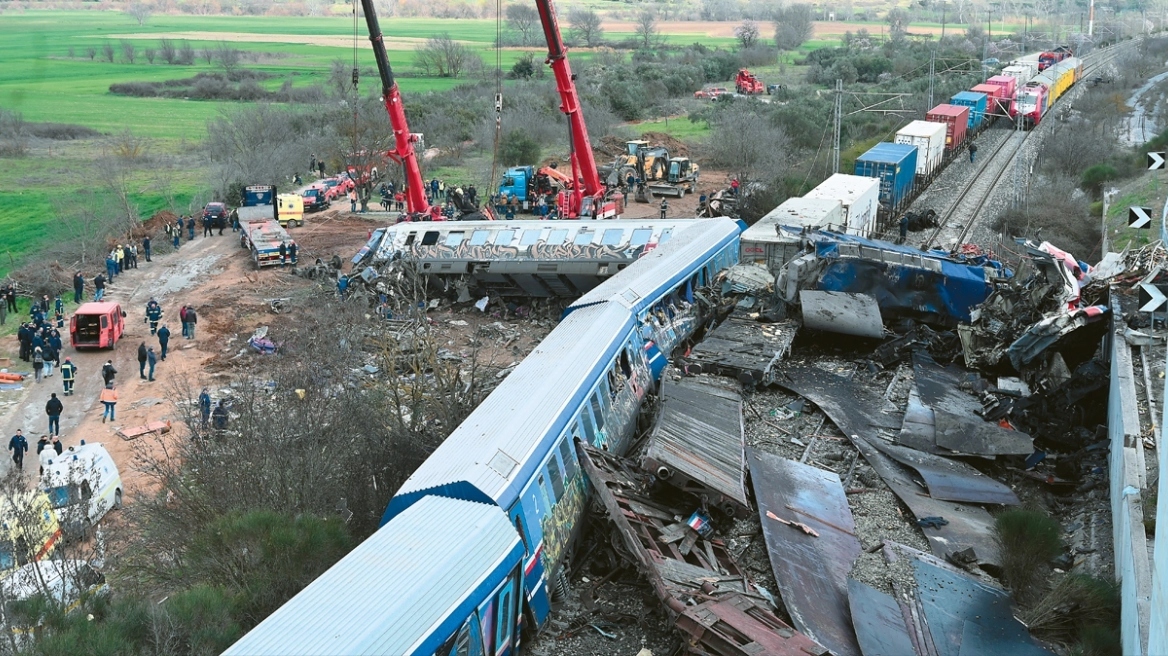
point(587, 196)
point(403, 152)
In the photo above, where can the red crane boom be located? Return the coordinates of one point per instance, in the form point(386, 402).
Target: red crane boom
point(585, 177)
point(403, 151)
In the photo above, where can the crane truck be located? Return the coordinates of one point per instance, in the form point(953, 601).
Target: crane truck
point(587, 197)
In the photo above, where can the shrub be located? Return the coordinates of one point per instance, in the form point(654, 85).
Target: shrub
point(1027, 540)
point(1095, 176)
point(518, 148)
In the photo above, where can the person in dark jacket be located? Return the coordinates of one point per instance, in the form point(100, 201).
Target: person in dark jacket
point(24, 335)
point(142, 360)
point(219, 417)
point(283, 253)
point(18, 445)
point(205, 406)
point(53, 409)
point(68, 375)
point(192, 320)
point(292, 253)
point(206, 226)
point(153, 315)
point(78, 287)
point(10, 297)
point(98, 287)
point(152, 361)
point(108, 372)
point(146, 247)
point(190, 228)
point(163, 341)
point(57, 445)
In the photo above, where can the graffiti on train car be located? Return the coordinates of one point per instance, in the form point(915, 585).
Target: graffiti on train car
point(558, 525)
point(465, 251)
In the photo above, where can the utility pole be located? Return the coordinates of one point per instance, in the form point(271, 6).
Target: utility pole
point(839, 115)
point(944, 6)
point(932, 72)
point(1091, 20)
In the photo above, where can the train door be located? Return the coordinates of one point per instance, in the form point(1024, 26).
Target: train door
point(526, 516)
point(507, 614)
point(469, 639)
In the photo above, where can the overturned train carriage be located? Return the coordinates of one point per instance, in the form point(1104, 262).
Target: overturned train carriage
point(493, 512)
point(519, 258)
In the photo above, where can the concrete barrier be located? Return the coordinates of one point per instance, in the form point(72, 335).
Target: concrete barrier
point(1128, 483)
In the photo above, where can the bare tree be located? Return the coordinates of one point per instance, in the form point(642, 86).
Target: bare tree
point(898, 20)
point(227, 56)
point(747, 33)
point(646, 30)
point(167, 50)
point(107, 51)
point(442, 56)
point(793, 26)
point(13, 134)
point(585, 26)
point(186, 54)
point(150, 53)
point(523, 19)
point(122, 157)
point(140, 11)
point(208, 54)
point(748, 144)
point(129, 52)
point(91, 52)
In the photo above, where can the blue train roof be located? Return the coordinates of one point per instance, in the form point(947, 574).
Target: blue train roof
point(405, 590)
point(495, 451)
point(643, 282)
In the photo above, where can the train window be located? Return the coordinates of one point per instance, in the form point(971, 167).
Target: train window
point(469, 641)
point(665, 235)
point(641, 236)
point(597, 409)
point(557, 237)
point(568, 455)
point(430, 237)
point(557, 479)
point(522, 533)
point(454, 238)
point(589, 427)
point(529, 237)
point(612, 236)
point(410, 238)
point(549, 499)
point(504, 237)
point(626, 367)
point(583, 238)
point(479, 237)
point(503, 620)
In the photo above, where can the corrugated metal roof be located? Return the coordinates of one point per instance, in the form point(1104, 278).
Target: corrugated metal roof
point(525, 413)
point(392, 591)
point(641, 284)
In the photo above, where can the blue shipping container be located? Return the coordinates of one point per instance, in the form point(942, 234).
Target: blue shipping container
point(896, 167)
point(976, 102)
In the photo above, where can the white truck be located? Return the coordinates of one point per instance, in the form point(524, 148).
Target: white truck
point(83, 484)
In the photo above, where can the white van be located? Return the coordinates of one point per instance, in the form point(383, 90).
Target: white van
point(83, 484)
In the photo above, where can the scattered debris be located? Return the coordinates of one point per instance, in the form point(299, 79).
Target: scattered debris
point(154, 427)
point(742, 348)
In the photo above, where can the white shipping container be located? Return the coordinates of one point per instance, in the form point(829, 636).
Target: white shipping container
point(765, 243)
point(860, 197)
point(1024, 71)
point(929, 138)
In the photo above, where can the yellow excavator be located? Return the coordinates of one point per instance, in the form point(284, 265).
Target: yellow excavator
point(681, 176)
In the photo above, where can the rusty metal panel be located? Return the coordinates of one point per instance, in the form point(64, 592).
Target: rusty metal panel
point(744, 349)
point(850, 407)
point(698, 442)
point(811, 568)
point(949, 480)
point(959, 428)
point(879, 622)
point(959, 608)
point(739, 627)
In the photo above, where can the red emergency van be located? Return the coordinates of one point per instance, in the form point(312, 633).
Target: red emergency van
point(97, 325)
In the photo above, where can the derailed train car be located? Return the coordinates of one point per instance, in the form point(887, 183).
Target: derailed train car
point(474, 545)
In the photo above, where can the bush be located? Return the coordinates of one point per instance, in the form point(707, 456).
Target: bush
point(518, 148)
point(1095, 176)
point(1027, 541)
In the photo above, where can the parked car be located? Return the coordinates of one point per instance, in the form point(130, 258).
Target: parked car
point(337, 186)
point(316, 198)
point(709, 93)
point(217, 213)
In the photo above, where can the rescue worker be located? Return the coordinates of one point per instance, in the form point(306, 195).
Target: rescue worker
point(163, 341)
point(142, 360)
point(206, 225)
point(283, 254)
point(292, 253)
point(18, 445)
point(68, 374)
point(53, 409)
point(152, 361)
point(78, 287)
point(972, 152)
point(190, 228)
point(109, 399)
point(664, 207)
point(219, 417)
point(903, 228)
point(204, 406)
point(153, 315)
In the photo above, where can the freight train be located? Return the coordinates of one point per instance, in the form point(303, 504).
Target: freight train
point(474, 545)
point(921, 149)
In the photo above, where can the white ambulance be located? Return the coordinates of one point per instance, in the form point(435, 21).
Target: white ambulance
point(82, 484)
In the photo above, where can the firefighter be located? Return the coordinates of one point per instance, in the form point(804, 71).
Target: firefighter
point(664, 207)
point(68, 373)
point(153, 315)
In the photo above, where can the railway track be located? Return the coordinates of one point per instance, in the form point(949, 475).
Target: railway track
point(958, 220)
